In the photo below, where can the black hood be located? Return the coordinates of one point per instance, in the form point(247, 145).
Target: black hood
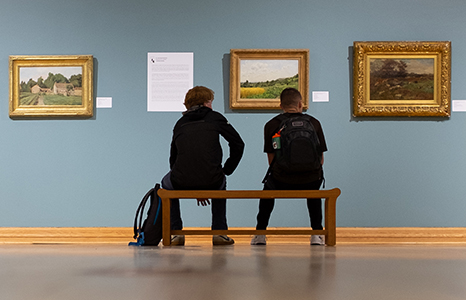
point(197, 112)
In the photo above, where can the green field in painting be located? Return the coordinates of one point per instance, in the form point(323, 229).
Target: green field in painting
point(26, 98)
point(405, 88)
point(271, 89)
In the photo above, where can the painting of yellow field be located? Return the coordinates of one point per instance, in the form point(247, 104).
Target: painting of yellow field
point(45, 86)
point(266, 79)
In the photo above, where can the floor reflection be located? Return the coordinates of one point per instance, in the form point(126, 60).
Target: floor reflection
point(232, 272)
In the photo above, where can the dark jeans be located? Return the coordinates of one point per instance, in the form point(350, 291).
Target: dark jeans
point(314, 206)
point(219, 208)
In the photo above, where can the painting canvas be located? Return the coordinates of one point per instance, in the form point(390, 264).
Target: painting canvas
point(265, 79)
point(50, 86)
point(402, 79)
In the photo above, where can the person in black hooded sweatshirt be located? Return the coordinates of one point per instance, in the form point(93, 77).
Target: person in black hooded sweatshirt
point(196, 159)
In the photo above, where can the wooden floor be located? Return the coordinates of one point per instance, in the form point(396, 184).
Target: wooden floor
point(201, 271)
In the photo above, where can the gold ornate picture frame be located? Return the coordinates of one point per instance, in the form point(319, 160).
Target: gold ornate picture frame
point(51, 86)
point(401, 79)
point(257, 76)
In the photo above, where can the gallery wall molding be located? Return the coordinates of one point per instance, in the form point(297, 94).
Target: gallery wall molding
point(123, 235)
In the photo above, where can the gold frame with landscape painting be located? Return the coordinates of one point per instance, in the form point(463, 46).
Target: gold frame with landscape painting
point(51, 86)
point(257, 76)
point(401, 79)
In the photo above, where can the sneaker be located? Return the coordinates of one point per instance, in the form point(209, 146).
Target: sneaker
point(222, 240)
point(317, 240)
point(258, 240)
point(177, 240)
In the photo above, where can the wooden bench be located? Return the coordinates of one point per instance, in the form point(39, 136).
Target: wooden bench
point(330, 197)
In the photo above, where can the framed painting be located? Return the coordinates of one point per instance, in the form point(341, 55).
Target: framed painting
point(258, 76)
point(51, 86)
point(401, 79)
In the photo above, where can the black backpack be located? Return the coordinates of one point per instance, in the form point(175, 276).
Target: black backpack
point(150, 232)
point(300, 147)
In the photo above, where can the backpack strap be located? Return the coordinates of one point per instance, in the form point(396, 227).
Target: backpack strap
point(269, 171)
point(140, 210)
point(139, 213)
point(281, 117)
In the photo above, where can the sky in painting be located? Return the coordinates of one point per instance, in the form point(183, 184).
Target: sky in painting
point(414, 65)
point(27, 73)
point(263, 70)
point(420, 66)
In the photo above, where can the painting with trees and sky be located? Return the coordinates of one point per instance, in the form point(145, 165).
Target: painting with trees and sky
point(266, 79)
point(258, 76)
point(44, 86)
point(51, 86)
point(402, 79)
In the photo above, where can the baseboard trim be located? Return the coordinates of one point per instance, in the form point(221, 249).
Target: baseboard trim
point(90, 235)
point(124, 235)
point(400, 235)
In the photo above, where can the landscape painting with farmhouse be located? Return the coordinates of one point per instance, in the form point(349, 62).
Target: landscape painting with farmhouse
point(45, 86)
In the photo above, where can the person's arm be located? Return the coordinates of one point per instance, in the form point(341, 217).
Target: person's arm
point(173, 154)
point(235, 143)
point(269, 130)
point(320, 135)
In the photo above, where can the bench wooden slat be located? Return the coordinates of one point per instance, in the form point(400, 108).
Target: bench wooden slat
point(330, 197)
point(246, 194)
point(246, 231)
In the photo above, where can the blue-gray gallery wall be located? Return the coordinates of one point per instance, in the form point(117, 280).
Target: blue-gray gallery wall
point(392, 172)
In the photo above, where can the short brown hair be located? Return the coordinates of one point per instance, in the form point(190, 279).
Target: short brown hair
point(198, 95)
point(290, 97)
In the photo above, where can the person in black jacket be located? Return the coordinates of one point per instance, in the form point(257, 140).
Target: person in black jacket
point(196, 159)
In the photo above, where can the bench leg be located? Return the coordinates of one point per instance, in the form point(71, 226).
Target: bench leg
point(330, 222)
point(166, 236)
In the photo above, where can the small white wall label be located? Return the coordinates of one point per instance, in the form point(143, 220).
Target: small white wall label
point(458, 105)
point(321, 96)
point(104, 102)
